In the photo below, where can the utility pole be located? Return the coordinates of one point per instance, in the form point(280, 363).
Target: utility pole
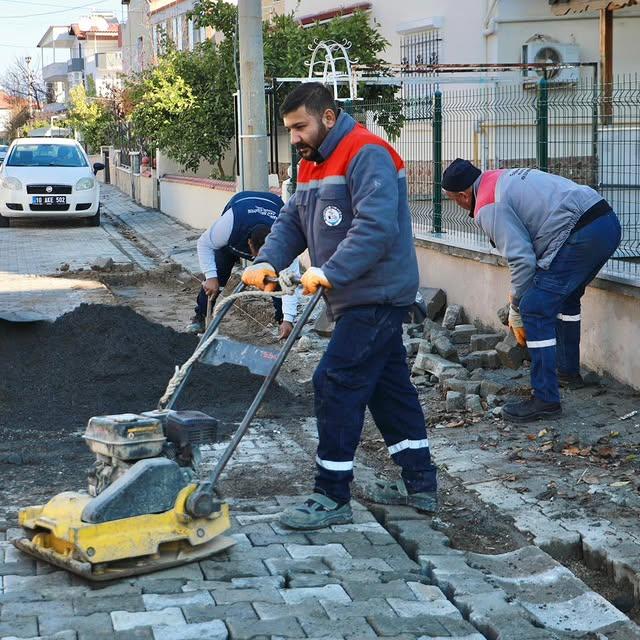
point(254, 172)
point(29, 86)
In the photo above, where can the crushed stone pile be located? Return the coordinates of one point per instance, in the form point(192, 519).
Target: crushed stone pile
point(102, 359)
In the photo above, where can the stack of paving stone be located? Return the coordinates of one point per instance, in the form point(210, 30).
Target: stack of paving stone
point(459, 356)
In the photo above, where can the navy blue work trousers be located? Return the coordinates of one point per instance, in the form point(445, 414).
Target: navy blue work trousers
point(365, 365)
point(550, 308)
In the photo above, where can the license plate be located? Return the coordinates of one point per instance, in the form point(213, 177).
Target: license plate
point(48, 201)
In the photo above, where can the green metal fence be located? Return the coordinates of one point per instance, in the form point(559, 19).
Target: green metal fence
point(556, 128)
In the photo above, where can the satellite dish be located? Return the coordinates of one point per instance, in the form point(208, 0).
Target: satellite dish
point(550, 56)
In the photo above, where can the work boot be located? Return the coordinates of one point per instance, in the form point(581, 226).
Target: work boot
point(316, 512)
point(197, 325)
point(570, 381)
point(530, 410)
point(386, 492)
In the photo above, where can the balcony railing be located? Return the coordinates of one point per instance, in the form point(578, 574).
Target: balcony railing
point(75, 64)
point(54, 72)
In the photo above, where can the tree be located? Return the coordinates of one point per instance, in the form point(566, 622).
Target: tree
point(287, 47)
point(92, 116)
point(184, 105)
point(21, 82)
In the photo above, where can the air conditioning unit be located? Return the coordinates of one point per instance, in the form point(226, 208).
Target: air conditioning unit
point(551, 53)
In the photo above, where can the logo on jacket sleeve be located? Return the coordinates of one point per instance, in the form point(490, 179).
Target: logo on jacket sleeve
point(332, 216)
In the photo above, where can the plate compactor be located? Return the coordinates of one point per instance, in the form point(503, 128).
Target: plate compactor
point(146, 507)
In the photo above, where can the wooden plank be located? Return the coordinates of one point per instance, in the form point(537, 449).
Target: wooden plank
point(561, 7)
point(606, 63)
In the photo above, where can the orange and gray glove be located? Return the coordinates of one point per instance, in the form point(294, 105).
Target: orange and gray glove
point(312, 279)
point(517, 326)
point(256, 276)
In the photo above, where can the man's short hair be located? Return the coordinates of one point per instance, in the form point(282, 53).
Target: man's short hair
point(258, 235)
point(315, 97)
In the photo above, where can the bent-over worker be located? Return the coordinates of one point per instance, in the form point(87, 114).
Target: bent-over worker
point(556, 235)
point(239, 233)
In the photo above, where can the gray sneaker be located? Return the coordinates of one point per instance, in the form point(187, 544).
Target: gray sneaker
point(387, 492)
point(196, 326)
point(316, 512)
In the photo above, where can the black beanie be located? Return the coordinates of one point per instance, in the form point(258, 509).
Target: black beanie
point(459, 175)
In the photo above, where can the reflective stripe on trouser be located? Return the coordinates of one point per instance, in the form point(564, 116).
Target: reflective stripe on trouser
point(366, 365)
point(557, 291)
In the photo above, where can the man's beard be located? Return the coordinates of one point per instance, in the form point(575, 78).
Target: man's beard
point(315, 155)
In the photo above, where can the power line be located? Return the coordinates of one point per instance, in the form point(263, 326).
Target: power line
point(48, 13)
point(40, 4)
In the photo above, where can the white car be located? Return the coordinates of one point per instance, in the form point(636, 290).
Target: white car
point(48, 178)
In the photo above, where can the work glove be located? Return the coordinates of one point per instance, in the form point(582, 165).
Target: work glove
point(312, 279)
point(517, 326)
point(256, 276)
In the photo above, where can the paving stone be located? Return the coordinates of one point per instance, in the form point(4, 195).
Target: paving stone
point(445, 348)
point(153, 602)
point(257, 583)
point(185, 572)
point(205, 613)
point(151, 585)
point(434, 364)
point(549, 535)
point(485, 341)
point(24, 626)
point(462, 386)
point(412, 608)
point(139, 633)
point(345, 565)
point(311, 580)
point(84, 606)
point(280, 566)
point(491, 387)
point(360, 608)
point(418, 538)
point(287, 627)
point(472, 403)
point(230, 596)
point(388, 626)
point(586, 612)
point(462, 333)
point(213, 630)
point(453, 316)
point(36, 583)
point(228, 570)
point(62, 635)
point(300, 552)
point(49, 624)
point(124, 620)
point(434, 596)
point(356, 628)
point(330, 537)
point(306, 609)
point(264, 540)
point(412, 345)
point(364, 591)
point(330, 592)
point(388, 513)
point(511, 354)
point(13, 610)
point(262, 553)
point(435, 299)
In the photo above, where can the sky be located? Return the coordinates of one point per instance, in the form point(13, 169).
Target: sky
point(23, 23)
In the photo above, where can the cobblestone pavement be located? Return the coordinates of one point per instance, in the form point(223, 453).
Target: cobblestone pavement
point(390, 574)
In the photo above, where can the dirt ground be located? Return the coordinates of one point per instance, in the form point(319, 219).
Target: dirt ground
point(101, 359)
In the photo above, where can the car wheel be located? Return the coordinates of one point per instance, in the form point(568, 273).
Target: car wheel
point(4, 222)
point(94, 221)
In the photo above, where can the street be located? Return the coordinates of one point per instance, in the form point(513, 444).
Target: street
point(535, 539)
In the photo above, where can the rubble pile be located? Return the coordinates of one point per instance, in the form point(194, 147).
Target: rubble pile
point(465, 360)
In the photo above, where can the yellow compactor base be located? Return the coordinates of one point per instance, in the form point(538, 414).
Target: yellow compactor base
point(120, 548)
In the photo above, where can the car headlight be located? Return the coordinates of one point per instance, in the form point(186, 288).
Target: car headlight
point(11, 183)
point(85, 183)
